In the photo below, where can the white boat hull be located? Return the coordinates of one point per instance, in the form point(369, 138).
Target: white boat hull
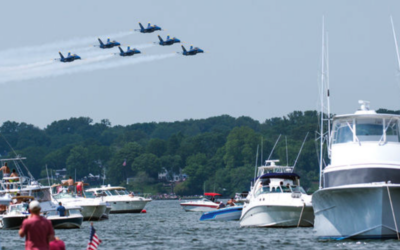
point(128, 206)
point(90, 212)
point(198, 208)
point(357, 212)
point(277, 216)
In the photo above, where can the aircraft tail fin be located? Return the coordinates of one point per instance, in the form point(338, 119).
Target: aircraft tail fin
point(101, 43)
point(184, 50)
point(61, 55)
point(161, 40)
point(141, 26)
point(121, 50)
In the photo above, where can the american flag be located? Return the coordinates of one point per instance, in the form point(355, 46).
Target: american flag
point(94, 241)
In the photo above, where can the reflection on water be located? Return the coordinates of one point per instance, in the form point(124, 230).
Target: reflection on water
point(167, 226)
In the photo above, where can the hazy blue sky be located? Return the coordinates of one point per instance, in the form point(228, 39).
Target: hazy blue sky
point(263, 60)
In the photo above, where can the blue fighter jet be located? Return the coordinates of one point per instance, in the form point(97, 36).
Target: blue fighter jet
point(149, 29)
point(108, 45)
point(129, 51)
point(69, 58)
point(192, 51)
point(169, 41)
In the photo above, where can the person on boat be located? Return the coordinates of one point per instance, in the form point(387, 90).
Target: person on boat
point(221, 205)
point(57, 244)
point(79, 188)
point(14, 174)
point(132, 194)
point(61, 209)
point(71, 185)
point(212, 199)
point(6, 170)
point(231, 202)
point(36, 229)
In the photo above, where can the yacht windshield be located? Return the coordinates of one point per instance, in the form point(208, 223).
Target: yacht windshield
point(369, 129)
point(342, 131)
point(41, 195)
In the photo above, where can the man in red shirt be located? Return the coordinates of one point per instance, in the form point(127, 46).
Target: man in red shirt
point(37, 229)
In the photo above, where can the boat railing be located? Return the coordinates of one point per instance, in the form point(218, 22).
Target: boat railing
point(11, 183)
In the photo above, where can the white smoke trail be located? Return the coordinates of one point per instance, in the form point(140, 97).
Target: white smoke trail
point(92, 52)
point(49, 50)
point(90, 64)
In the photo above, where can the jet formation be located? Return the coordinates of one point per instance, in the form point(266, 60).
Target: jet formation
point(131, 52)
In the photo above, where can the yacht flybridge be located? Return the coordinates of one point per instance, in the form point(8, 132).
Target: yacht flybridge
point(119, 198)
point(360, 194)
point(277, 200)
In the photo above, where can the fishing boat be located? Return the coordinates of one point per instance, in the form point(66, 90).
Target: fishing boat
point(72, 219)
point(223, 214)
point(119, 198)
point(277, 200)
point(360, 193)
point(202, 205)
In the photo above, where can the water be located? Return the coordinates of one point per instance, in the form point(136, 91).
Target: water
point(167, 226)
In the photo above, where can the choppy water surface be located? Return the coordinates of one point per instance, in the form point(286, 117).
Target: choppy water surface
point(167, 226)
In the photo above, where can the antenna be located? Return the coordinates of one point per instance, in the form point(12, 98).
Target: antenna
point(274, 147)
point(48, 178)
point(255, 168)
point(262, 139)
point(327, 91)
point(287, 158)
point(395, 43)
point(298, 155)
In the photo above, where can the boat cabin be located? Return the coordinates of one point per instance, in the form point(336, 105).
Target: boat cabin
point(107, 191)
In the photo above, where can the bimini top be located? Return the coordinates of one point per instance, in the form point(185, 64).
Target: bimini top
point(291, 176)
point(212, 194)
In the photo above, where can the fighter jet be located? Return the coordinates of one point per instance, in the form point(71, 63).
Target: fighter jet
point(108, 45)
point(149, 29)
point(129, 51)
point(69, 58)
point(192, 51)
point(169, 41)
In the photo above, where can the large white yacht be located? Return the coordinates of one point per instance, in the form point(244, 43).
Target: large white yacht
point(119, 198)
point(277, 200)
point(360, 194)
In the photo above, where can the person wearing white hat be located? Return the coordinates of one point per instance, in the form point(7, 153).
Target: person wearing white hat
point(37, 230)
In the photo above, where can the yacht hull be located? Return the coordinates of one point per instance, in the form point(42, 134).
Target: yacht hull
point(198, 208)
point(358, 212)
point(13, 221)
point(128, 206)
point(277, 216)
point(223, 214)
point(67, 222)
point(93, 212)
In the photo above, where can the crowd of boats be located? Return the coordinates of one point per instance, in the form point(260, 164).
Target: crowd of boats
point(92, 204)
point(359, 193)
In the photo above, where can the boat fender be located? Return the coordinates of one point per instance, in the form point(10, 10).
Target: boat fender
point(143, 211)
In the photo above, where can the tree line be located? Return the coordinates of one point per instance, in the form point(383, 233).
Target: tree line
point(217, 153)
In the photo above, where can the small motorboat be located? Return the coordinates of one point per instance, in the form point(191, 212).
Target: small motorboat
point(16, 212)
point(223, 214)
point(72, 219)
point(202, 205)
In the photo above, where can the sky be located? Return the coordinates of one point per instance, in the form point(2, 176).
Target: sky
point(263, 59)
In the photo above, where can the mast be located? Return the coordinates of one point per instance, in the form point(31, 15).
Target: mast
point(396, 45)
point(322, 104)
